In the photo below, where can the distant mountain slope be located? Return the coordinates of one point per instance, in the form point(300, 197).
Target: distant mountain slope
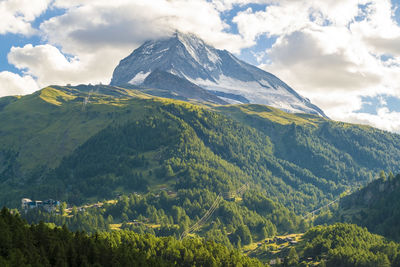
point(334, 245)
point(347, 245)
point(375, 206)
point(218, 71)
point(325, 147)
point(62, 139)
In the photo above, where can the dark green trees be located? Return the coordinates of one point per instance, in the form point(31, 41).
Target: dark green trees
point(38, 245)
point(349, 245)
point(376, 206)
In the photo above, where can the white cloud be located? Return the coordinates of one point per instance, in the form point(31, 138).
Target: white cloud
point(384, 119)
point(314, 60)
point(50, 66)
point(380, 32)
point(87, 25)
point(16, 16)
point(14, 84)
point(287, 16)
point(276, 20)
point(224, 5)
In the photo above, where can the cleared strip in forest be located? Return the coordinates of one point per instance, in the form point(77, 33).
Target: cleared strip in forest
point(212, 209)
point(312, 213)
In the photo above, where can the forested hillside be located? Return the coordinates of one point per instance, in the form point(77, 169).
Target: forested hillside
point(38, 245)
point(375, 206)
point(233, 223)
point(348, 245)
point(335, 245)
point(341, 153)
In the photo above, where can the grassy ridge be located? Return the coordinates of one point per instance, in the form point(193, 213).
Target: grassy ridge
point(49, 124)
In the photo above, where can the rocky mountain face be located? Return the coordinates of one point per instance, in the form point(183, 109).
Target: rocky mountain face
point(219, 72)
point(179, 88)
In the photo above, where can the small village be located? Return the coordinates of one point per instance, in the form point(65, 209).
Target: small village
point(48, 205)
point(273, 250)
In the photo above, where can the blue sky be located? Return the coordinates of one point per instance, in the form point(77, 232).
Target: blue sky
point(9, 40)
point(344, 55)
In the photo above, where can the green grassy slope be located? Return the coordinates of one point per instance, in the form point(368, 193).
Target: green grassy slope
point(49, 124)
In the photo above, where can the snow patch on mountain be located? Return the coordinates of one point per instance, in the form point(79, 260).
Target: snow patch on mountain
point(230, 100)
point(139, 78)
point(255, 92)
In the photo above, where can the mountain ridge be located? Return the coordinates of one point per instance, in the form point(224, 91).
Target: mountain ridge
point(375, 206)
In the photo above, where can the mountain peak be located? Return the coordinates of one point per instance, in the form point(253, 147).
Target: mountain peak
point(192, 44)
point(218, 71)
point(187, 37)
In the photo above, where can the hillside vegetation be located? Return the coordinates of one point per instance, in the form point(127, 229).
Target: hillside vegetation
point(233, 223)
point(39, 245)
point(335, 245)
point(375, 206)
point(348, 245)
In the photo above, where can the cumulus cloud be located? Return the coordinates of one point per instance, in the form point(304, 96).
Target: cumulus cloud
point(275, 20)
point(92, 24)
point(287, 16)
point(379, 31)
point(309, 60)
point(385, 45)
point(14, 84)
point(16, 16)
point(384, 119)
point(50, 66)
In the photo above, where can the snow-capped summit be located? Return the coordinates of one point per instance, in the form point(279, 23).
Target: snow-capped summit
point(217, 71)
